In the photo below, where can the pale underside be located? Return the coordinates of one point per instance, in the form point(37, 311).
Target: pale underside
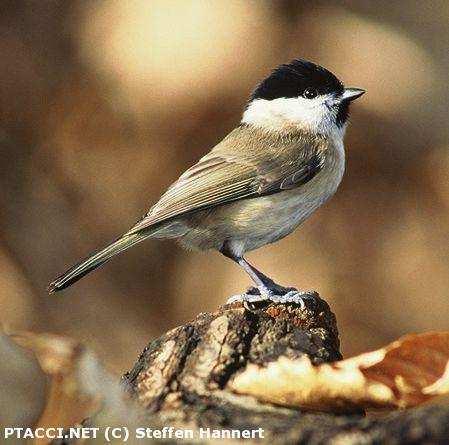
point(290, 174)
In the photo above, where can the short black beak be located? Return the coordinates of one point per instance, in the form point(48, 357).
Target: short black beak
point(352, 93)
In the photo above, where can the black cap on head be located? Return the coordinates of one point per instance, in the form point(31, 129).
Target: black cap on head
point(294, 78)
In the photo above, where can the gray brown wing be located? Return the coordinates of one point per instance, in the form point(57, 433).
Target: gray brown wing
point(219, 179)
point(291, 176)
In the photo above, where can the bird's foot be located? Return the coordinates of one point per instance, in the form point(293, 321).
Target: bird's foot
point(275, 294)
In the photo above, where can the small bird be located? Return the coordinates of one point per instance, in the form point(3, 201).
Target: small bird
point(283, 161)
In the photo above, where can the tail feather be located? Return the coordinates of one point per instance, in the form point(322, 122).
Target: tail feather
point(92, 262)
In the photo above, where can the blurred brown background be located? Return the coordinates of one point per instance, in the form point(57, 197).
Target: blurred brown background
point(103, 105)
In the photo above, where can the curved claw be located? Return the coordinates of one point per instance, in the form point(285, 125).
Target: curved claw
point(265, 294)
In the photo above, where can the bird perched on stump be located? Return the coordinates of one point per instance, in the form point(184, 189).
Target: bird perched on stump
point(283, 161)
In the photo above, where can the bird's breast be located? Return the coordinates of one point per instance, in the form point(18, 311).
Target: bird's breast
point(252, 223)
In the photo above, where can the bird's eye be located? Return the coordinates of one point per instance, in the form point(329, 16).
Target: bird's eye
point(310, 93)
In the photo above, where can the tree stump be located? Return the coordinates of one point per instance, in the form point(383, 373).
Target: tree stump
point(181, 379)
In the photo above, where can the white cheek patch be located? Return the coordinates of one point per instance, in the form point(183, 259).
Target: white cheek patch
point(312, 114)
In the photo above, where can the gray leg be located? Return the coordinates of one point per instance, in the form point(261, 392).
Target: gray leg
point(265, 284)
point(267, 289)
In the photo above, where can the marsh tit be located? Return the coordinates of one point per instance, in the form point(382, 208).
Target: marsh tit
point(283, 161)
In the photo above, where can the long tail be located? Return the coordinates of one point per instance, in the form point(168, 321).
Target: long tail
point(92, 262)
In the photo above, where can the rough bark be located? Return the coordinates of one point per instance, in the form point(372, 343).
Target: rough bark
point(181, 378)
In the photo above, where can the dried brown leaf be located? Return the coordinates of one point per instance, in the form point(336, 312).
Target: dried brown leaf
point(62, 359)
point(404, 373)
point(79, 384)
